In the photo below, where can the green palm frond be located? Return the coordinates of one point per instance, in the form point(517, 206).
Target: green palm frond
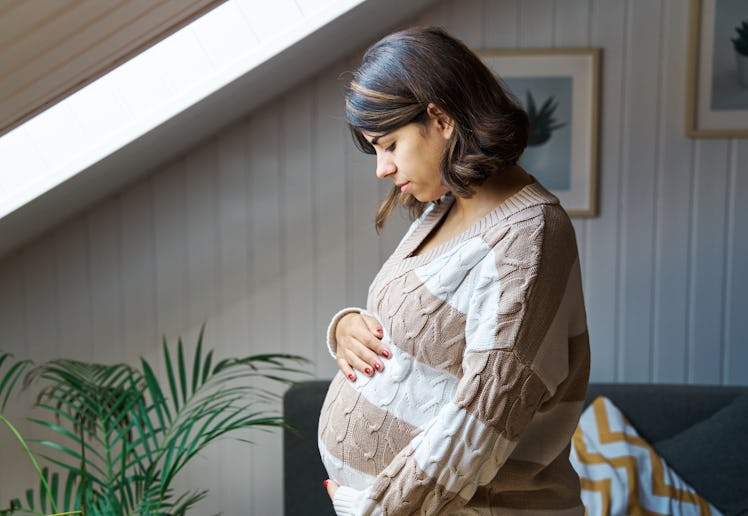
point(542, 121)
point(11, 377)
point(741, 42)
point(123, 433)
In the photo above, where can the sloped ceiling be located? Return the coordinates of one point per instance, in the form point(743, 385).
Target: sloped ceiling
point(353, 28)
point(51, 48)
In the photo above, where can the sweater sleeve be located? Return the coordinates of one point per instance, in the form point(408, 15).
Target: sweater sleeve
point(472, 436)
point(332, 343)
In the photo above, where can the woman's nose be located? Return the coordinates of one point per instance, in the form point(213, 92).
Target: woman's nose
point(385, 166)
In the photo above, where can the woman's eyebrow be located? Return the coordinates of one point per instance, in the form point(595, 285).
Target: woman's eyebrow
point(377, 137)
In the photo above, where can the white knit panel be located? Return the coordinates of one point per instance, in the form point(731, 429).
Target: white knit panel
point(467, 279)
point(469, 446)
point(343, 475)
point(452, 276)
point(415, 400)
point(481, 326)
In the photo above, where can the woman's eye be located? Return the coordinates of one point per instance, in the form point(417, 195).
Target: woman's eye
point(390, 148)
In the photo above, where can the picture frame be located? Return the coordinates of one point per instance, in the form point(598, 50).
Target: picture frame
point(559, 87)
point(717, 81)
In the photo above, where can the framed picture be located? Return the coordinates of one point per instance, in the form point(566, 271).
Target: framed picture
point(717, 83)
point(559, 90)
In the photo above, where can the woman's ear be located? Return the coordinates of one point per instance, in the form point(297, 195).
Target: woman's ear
point(442, 121)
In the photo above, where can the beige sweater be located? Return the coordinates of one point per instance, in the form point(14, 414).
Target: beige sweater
point(475, 410)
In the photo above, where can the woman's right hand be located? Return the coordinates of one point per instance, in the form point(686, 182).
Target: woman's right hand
point(359, 345)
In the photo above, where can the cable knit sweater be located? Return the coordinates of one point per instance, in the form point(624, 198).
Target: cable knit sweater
point(476, 408)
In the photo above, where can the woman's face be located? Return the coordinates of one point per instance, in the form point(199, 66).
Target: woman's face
point(412, 155)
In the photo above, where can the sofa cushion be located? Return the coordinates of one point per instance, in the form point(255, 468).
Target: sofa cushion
point(718, 446)
point(659, 411)
point(621, 473)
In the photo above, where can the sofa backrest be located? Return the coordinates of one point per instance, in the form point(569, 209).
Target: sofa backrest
point(657, 411)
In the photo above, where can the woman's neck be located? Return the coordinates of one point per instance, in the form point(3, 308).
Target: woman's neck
point(468, 210)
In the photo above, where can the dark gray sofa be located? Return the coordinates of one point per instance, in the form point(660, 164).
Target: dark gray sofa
point(695, 428)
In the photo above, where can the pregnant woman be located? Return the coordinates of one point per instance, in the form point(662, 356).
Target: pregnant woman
point(472, 353)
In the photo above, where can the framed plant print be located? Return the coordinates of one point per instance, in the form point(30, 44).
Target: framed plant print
point(717, 82)
point(559, 90)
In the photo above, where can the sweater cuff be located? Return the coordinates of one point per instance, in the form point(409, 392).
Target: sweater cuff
point(332, 343)
point(352, 502)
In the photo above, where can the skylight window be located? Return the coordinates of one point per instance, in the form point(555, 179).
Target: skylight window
point(150, 89)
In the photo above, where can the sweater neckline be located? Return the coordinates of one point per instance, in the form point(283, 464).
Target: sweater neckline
point(403, 259)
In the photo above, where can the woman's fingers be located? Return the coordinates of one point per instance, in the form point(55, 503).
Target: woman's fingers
point(359, 346)
point(375, 328)
point(359, 356)
point(346, 368)
point(331, 487)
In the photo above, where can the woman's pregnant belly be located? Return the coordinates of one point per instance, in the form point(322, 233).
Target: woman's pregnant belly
point(364, 424)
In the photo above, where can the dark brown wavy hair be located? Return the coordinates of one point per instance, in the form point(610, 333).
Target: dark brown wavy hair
point(404, 72)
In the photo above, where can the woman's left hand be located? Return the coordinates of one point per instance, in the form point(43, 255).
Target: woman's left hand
point(332, 487)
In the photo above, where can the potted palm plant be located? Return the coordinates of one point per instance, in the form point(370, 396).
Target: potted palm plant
point(542, 121)
point(740, 43)
point(122, 435)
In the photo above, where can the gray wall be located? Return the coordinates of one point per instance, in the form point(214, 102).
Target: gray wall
point(265, 230)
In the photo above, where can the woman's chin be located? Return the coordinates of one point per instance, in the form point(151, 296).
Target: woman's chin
point(429, 197)
point(421, 195)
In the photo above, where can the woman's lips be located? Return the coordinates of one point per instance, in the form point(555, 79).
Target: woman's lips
point(404, 187)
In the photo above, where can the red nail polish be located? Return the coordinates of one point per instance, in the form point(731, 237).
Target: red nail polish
point(351, 377)
point(379, 330)
point(324, 483)
point(385, 353)
point(367, 370)
point(377, 366)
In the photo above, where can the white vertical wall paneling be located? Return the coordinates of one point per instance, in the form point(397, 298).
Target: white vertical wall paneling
point(536, 23)
point(609, 29)
point(297, 194)
point(362, 199)
point(202, 241)
point(674, 172)
point(232, 326)
point(708, 262)
point(330, 174)
point(200, 179)
point(170, 251)
point(362, 194)
point(40, 314)
point(298, 218)
point(106, 291)
point(268, 329)
point(13, 340)
point(436, 14)
point(500, 24)
point(171, 265)
point(394, 229)
point(231, 322)
point(73, 289)
point(465, 21)
point(571, 24)
point(140, 331)
point(736, 336)
point(12, 306)
point(640, 147)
